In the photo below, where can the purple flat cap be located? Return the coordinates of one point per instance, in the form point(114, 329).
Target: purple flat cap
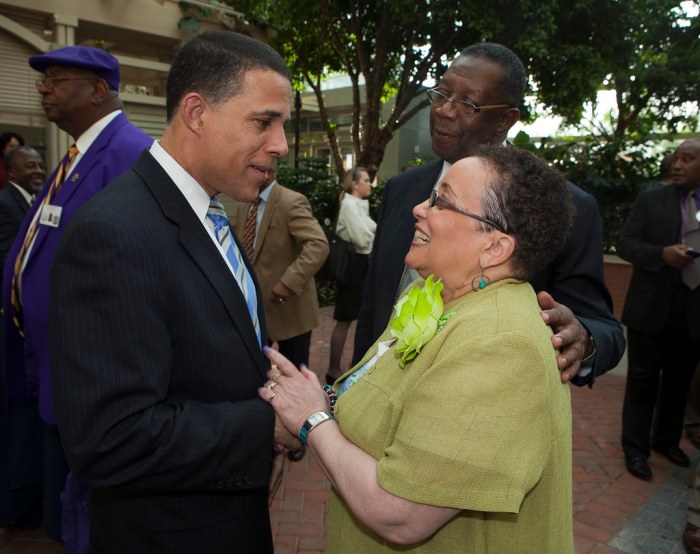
point(102, 63)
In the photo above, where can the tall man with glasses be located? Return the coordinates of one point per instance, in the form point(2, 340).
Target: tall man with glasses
point(476, 103)
point(79, 93)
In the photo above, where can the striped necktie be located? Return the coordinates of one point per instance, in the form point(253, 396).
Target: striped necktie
point(251, 221)
point(54, 187)
point(222, 230)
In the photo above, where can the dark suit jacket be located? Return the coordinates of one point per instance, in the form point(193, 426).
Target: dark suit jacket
point(157, 367)
point(654, 222)
point(13, 208)
point(28, 359)
point(575, 278)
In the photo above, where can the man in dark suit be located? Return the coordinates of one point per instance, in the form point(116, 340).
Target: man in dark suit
point(79, 88)
point(26, 174)
point(157, 326)
point(475, 103)
point(662, 312)
point(20, 504)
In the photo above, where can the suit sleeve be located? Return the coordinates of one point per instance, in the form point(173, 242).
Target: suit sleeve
point(115, 349)
point(311, 243)
point(364, 336)
point(631, 246)
point(575, 279)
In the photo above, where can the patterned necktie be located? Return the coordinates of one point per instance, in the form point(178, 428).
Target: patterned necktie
point(222, 230)
point(54, 187)
point(251, 221)
point(691, 273)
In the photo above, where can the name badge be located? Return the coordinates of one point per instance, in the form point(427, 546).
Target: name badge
point(50, 215)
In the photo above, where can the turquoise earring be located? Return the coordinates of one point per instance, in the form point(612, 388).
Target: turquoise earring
point(480, 282)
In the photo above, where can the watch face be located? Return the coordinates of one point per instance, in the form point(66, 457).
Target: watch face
point(316, 418)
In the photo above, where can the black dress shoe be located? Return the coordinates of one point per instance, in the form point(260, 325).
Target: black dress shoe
point(296, 455)
point(675, 454)
point(639, 467)
point(691, 539)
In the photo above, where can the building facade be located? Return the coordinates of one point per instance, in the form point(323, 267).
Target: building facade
point(144, 35)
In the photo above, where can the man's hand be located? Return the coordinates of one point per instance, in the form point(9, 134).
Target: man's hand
point(284, 437)
point(674, 255)
point(280, 293)
point(570, 337)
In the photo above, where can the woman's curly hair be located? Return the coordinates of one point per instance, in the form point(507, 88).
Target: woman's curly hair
point(531, 201)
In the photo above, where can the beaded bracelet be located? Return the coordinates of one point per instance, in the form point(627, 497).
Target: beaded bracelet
point(332, 396)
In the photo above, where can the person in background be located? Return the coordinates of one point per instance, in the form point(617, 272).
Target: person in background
point(79, 88)
point(434, 449)
point(20, 491)
point(8, 141)
point(665, 173)
point(661, 239)
point(286, 246)
point(357, 227)
point(476, 102)
point(25, 177)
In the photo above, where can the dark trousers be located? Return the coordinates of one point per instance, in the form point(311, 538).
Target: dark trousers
point(21, 463)
point(660, 368)
point(296, 349)
point(55, 473)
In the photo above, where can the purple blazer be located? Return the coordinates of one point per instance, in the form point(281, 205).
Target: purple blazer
point(28, 360)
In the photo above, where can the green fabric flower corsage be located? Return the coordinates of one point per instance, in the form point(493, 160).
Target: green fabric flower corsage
point(419, 315)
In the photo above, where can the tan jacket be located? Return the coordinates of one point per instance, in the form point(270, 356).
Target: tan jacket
point(290, 246)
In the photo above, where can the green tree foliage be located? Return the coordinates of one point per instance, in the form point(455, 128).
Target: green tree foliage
point(647, 50)
point(614, 171)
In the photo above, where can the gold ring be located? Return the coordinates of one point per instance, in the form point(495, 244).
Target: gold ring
point(275, 375)
point(271, 397)
point(272, 385)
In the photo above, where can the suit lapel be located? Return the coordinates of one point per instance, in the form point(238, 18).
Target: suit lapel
point(200, 247)
point(270, 210)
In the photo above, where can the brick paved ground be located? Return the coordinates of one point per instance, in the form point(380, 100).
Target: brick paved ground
point(613, 511)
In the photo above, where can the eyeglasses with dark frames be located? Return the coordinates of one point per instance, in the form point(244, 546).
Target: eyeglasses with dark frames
point(462, 107)
point(51, 82)
point(440, 201)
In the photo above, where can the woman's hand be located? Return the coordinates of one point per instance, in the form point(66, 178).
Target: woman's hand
point(294, 395)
